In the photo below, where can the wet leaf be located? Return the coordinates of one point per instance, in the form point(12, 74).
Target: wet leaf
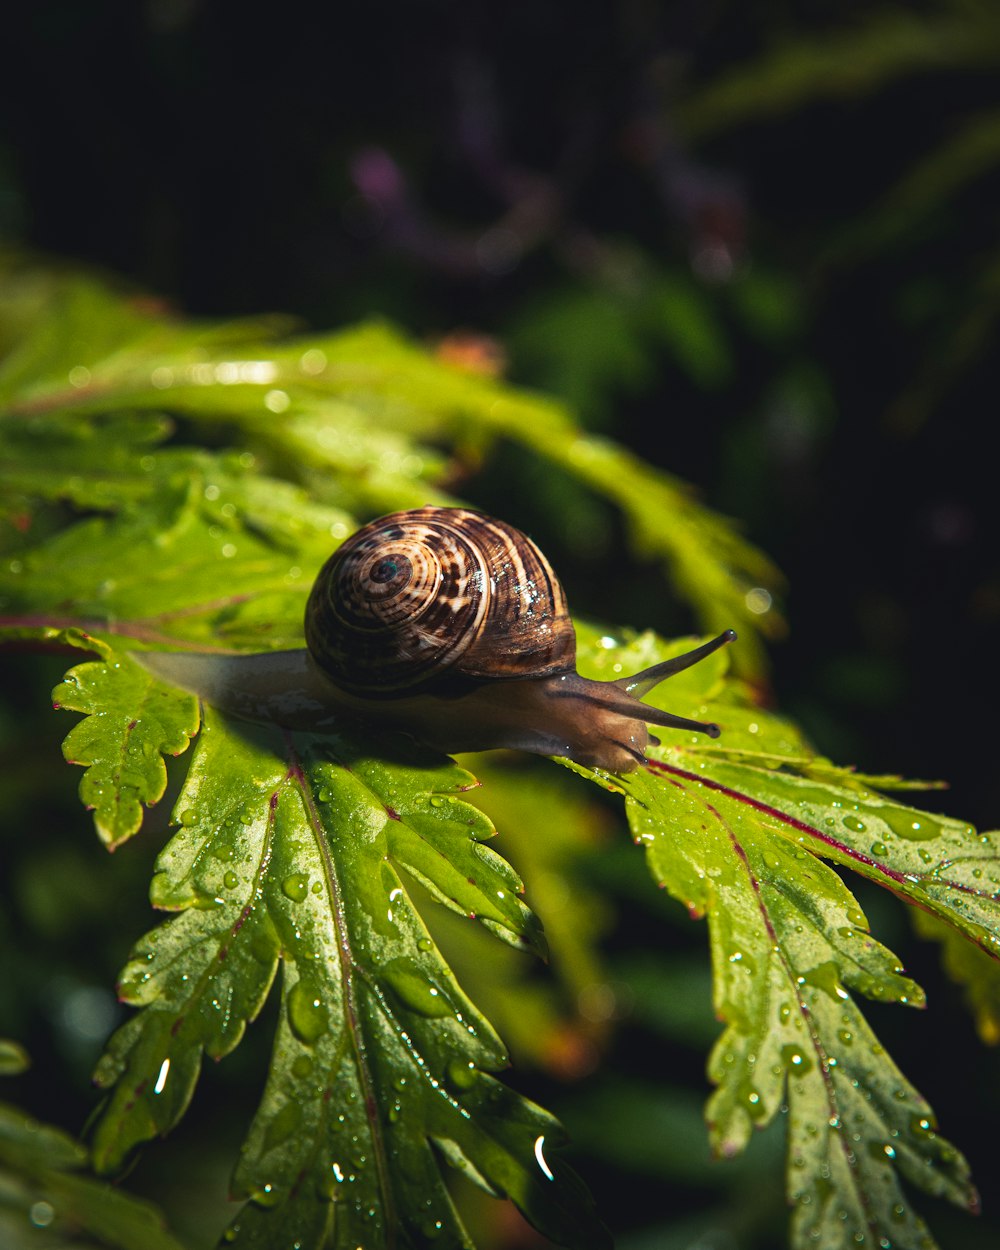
point(734, 830)
point(299, 852)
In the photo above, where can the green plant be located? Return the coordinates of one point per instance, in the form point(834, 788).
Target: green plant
point(177, 485)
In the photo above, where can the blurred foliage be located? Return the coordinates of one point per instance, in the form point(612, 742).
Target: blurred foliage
point(45, 1197)
point(757, 245)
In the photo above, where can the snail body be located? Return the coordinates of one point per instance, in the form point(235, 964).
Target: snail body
point(450, 626)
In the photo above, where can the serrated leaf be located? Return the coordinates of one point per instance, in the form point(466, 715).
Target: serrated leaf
point(360, 413)
point(214, 556)
point(733, 830)
point(102, 465)
point(131, 722)
point(789, 945)
point(298, 849)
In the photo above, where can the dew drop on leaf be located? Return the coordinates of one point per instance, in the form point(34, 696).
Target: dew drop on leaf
point(282, 1125)
point(879, 849)
point(295, 886)
point(307, 1013)
point(414, 989)
point(266, 1195)
point(794, 1059)
point(920, 1126)
point(918, 827)
point(462, 1075)
point(230, 880)
point(855, 825)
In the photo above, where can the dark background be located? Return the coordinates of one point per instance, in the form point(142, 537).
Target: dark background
point(543, 174)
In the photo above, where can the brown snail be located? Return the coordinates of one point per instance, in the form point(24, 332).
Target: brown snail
point(450, 626)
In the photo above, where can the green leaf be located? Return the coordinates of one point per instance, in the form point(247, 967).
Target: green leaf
point(216, 555)
point(733, 830)
point(971, 968)
point(13, 1058)
point(789, 945)
point(45, 1197)
point(845, 61)
point(358, 416)
point(132, 721)
point(301, 849)
point(102, 465)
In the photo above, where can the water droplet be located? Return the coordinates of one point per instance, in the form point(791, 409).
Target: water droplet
point(914, 825)
point(312, 361)
point(282, 1125)
point(295, 886)
point(825, 976)
point(41, 1214)
point(231, 880)
point(307, 1013)
point(188, 817)
point(462, 1075)
point(277, 401)
point(855, 825)
point(795, 1060)
point(266, 1195)
point(414, 988)
point(879, 850)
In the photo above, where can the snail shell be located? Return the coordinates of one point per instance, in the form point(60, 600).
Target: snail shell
point(450, 626)
point(437, 598)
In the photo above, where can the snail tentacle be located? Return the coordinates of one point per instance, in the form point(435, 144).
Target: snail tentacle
point(642, 683)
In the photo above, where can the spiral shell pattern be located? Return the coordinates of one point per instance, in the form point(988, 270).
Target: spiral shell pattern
point(437, 599)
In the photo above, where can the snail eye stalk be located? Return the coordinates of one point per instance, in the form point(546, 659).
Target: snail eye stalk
point(641, 683)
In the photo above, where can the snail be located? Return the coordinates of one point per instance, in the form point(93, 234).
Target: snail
point(450, 626)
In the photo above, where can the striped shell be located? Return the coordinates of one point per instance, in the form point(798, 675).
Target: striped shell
point(438, 600)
